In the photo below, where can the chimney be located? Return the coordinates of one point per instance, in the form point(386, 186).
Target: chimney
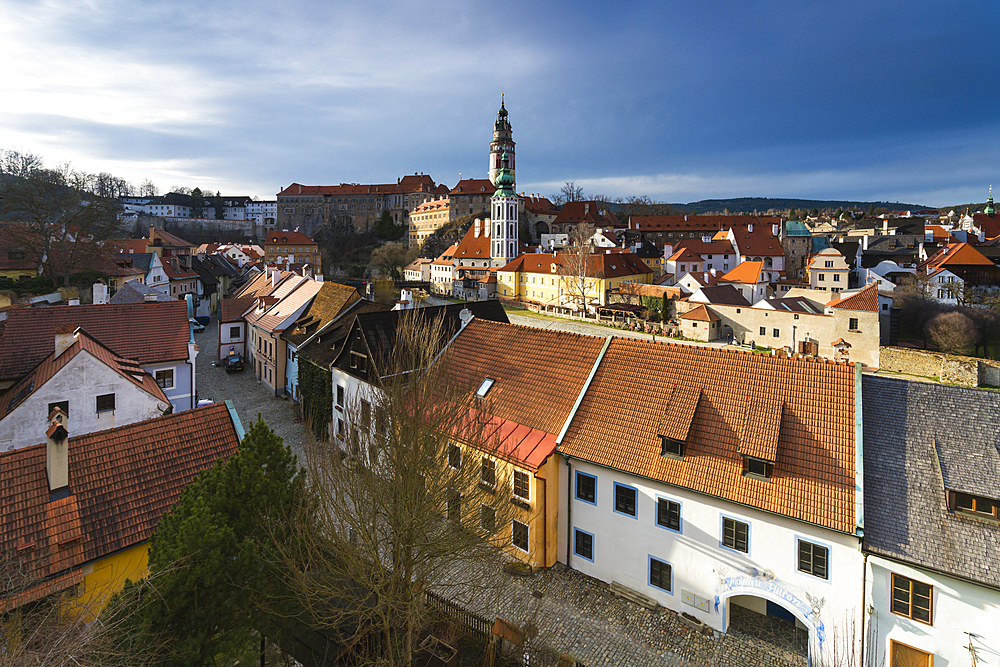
point(750, 228)
point(57, 450)
point(274, 277)
point(149, 298)
point(74, 302)
point(300, 189)
point(776, 229)
point(685, 218)
point(64, 338)
point(465, 315)
point(712, 271)
point(864, 242)
point(586, 209)
point(885, 226)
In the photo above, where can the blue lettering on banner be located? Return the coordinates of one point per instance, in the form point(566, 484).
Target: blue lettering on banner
point(736, 583)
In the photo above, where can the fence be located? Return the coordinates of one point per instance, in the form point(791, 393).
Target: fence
point(477, 625)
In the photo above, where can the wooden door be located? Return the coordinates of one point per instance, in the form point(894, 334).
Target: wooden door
point(907, 656)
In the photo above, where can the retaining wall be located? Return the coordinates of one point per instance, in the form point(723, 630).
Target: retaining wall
point(950, 368)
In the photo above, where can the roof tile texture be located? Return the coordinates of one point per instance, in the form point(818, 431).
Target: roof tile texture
point(146, 332)
point(813, 480)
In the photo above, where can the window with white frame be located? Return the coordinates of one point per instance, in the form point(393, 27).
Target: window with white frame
point(165, 378)
point(522, 486)
point(519, 535)
point(488, 472)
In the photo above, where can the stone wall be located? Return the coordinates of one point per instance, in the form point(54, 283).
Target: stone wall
point(950, 368)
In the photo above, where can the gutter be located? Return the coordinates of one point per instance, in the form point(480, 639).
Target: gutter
point(236, 419)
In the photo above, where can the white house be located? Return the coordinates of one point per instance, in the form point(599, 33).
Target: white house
point(724, 489)
point(932, 584)
point(89, 382)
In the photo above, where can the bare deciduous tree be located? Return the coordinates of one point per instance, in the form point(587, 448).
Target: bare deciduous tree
point(952, 332)
point(404, 503)
point(578, 266)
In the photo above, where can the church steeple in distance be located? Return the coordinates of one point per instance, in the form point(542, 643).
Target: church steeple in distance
point(989, 203)
point(502, 143)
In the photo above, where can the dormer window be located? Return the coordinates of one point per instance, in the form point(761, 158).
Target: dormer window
point(977, 505)
point(757, 468)
point(485, 387)
point(672, 447)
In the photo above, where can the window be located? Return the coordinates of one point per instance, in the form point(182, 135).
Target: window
point(488, 472)
point(519, 535)
point(340, 428)
point(583, 544)
point(966, 503)
point(105, 402)
point(813, 559)
point(911, 599)
point(365, 416)
point(736, 535)
point(586, 488)
point(165, 379)
point(776, 332)
point(234, 332)
point(672, 447)
point(763, 331)
point(454, 456)
point(757, 467)
point(836, 277)
point(660, 574)
point(852, 324)
point(488, 518)
point(625, 499)
point(822, 277)
point(828, 264)
point(340, 397)
point(668, 514)
point(454, 505)
point(522, 485)
point(62, 405)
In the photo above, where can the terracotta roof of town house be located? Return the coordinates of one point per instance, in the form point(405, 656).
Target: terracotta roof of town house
point(678, 415)
point(231, 310)
point(135, 291)
point(685, 255)
point(473, 247)
point(703, 278)
point(989, 224)
point(700, 314)
point(603, 264)
point(284, 237)
point(866, 299)
point(169, 240)
point(585, 212)
point(121, 481)
point(532, 395)
point(128, 246)
point(432, 205)
point(82, 342)
point(179, 273)
point(409, 183)
point(330, 301)
point(703, 249)
point(760, 428)
point(759, 242)
point(955, 255)
point(814, 475)
point(539, 205)
point(723, 295)
point(745, 272)
point(686, 223)
point(473, 186)
point(146, 332)
point(289, 298)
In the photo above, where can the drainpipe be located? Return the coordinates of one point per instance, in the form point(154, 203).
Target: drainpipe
point(864, 610)
point(569, 512)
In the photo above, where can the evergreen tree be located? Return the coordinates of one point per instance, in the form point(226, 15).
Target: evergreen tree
point(211, 586)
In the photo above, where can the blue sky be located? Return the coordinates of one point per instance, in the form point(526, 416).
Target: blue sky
point(680, 101)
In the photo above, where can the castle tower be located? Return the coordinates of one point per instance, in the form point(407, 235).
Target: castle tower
point(502, 144)
point(989, 203)
point(503, 247)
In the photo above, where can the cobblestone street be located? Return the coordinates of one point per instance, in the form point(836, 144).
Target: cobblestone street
point(248, 395)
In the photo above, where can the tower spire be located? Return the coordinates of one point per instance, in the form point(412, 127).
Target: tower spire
point(989, 203)
point(503, 142)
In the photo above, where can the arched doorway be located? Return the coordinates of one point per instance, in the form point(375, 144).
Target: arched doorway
point(766, 612)
point(541, 228)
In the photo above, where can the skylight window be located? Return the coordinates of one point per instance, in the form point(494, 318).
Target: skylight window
point(484, 387)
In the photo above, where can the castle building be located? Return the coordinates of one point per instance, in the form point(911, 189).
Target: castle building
point(504, 214)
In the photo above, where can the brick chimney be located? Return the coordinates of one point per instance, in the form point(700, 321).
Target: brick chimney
point(57, 450)
point(64, 338)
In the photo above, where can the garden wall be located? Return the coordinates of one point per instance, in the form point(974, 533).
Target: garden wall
point(950, 368)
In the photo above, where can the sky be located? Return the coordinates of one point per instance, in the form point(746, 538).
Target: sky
point(678, 101)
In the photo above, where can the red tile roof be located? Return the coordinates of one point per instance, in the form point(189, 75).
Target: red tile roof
point(866, 299)
point(813, 477)
point(603, 264)
point(584, 211)
point(121, 481)
point(295, 238)
point(955, 255)
point(700, 314)
point(231, 310)
point(473, 186)
point(721, 247)
point(411, 183)
point(532, 395)
point(179, 273)
point(760, 242)
point(83, 342)
point(146, 332)
point(168, 240)
point(685, 255)
point(689, 223)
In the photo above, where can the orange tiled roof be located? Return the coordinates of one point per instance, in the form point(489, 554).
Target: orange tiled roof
point(410, 183)
point(745, 272)
point(700, 314)
point(120, 480)
point(813, 477)
point(294, 238)
point(473, 186)
point(180, 273)
point(530, 392)
point(145, 332)
point(866, 299)
point(585, 211)
point(685, 255)
point(604, 264)
point(760, 241)
point(956, 254)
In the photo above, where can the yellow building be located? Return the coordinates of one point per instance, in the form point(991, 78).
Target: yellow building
point(522, 407)
point(428, 218)
point(560, 280)
point(62, 492)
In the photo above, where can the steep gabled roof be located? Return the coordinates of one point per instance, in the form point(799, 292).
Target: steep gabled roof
point(748, 273)
point(120, 481)
point(685, 255)
point(473, 186)
point(289, 238)
point(135, 291)
point(324, 348)
point(866, 299)
point(757, 240)
point(231, 310)
point(814, 473)
point(584, 212)
point(723, 295)
point(146, 332)
point(700, 314)
point(330, 301)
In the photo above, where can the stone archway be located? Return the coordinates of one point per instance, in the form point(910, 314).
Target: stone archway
point(541, 227)
point(766, 611)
